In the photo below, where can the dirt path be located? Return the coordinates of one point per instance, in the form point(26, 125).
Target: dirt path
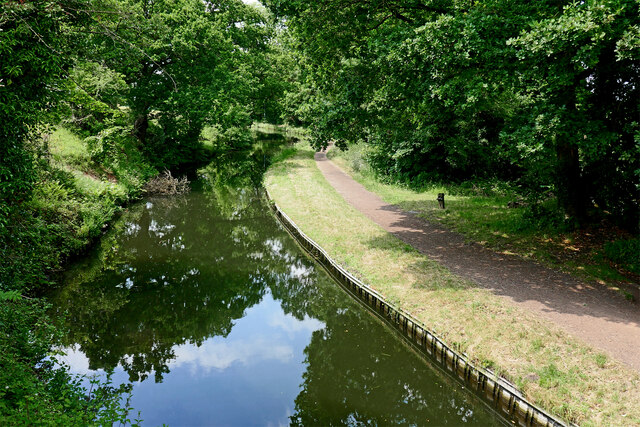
point(598, 316)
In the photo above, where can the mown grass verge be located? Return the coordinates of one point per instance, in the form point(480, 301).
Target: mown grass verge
point(553, 370)
point(495, 215)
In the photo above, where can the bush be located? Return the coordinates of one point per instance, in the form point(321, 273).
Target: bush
point(357, 157)
point(544, 216)
point(625, 253)
point(35, 391)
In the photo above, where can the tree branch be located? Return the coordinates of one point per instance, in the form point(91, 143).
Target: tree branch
point(375, 27)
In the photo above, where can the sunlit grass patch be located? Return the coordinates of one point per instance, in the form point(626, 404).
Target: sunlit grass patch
point(94, 187)
point(76, 197)
point(498, 218)
point(554, 370)
point(68, 149)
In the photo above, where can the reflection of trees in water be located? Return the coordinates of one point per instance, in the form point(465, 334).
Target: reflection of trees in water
point(357, 373)
point(233, 178)
point(183, 269)
point(173, 274)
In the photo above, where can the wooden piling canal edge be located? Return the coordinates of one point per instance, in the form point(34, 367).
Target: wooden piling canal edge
point(500, 394)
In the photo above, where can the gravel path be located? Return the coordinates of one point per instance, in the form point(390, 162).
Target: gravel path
point(598, 316)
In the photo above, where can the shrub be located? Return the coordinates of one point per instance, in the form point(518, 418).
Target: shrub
point(625, 253)
point(33, 390)
point(544, 216)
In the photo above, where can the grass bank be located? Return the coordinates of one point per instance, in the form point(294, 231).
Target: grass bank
point(73, 200)
point(495, 215)
point(553, 370)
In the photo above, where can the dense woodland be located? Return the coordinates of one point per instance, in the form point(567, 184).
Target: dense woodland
point(542, 95)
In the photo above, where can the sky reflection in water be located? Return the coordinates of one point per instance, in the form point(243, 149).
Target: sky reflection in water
point(208, 306)
point(262, 358)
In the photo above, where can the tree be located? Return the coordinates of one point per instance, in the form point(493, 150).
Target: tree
point(581, 71)
point(541, 93)
point(185, 64)
point(32, 42)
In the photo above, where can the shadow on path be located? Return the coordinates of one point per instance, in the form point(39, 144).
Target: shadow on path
point(591, 312)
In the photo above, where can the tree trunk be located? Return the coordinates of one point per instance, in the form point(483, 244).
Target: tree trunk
point(140, 127)
point(571, 192)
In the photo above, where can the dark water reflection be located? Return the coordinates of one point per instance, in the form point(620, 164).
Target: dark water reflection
point(209, 307)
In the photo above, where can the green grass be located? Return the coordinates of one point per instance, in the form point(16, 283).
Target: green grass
point(93, 187)
point(601, 359)
point(552, 369)
point(68, 149)
point(69, 153)
point(625, 252)
point(72, 203)
point(482, 214)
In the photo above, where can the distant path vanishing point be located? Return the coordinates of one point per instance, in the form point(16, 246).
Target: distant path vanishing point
point(596, 315)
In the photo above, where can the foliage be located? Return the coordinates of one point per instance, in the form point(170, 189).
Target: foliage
point(138, 81)
point(57, 222)
point(625, 253)
point(276, 73)
point(544, 94)
point(134, 83)
point(498, 216)
point(586, 87)
point(32, 389)
point(30, 31)
point(176, 65)
point(94, 97)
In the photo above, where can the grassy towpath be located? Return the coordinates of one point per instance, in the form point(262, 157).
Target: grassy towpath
point(495, 215)
point(553, 369)
point(593, 313)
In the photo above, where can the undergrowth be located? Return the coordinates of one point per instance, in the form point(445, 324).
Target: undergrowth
point(33, 390)
point(73, 200)
point(625, 252)
point(74, 197)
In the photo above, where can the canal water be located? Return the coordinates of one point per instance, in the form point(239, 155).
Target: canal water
point(216, 316)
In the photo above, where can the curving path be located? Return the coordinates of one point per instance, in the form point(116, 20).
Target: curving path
point(593, 313)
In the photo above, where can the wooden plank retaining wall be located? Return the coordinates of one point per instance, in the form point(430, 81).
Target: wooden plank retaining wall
point(497, 392)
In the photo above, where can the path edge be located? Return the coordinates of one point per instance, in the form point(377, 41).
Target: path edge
point(503, 396)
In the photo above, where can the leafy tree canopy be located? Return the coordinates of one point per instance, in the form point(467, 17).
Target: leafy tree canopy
point(543, 93)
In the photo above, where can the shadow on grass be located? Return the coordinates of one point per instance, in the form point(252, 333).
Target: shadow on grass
point(429, 274)
point(288, 160)
point(599, 315)
point(283, 169)
point(506, 275)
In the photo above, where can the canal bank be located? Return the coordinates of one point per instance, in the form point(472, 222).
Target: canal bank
point(499, 394)
point(208, 307)
point(553, 370)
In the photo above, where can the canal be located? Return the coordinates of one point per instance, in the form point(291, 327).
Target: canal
point(209, 308)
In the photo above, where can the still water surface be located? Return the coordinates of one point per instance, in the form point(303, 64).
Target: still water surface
point(208, 306)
